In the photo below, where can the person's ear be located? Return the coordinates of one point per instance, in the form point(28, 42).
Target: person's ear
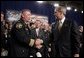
point(22, 15)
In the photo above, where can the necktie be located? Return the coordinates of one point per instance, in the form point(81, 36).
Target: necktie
point(59, 25)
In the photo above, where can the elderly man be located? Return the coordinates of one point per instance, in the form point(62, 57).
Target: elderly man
point(22, 40)
point(21, 36)
point(64, 36)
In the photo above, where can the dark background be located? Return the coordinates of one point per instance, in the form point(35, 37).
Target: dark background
point(42, 9)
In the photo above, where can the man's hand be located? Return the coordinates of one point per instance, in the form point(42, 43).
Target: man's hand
point(39, 46)
point(38, 42)
point(76, 55)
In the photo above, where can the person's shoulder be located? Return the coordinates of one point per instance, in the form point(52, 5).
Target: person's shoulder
point(18, 24)
point(70, 20)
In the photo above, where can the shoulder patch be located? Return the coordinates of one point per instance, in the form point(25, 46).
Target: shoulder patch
point(19, 25)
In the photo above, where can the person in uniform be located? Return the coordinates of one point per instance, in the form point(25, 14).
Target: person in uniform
point(21, 36)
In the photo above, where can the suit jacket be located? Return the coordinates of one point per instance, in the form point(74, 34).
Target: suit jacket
point(65, 42)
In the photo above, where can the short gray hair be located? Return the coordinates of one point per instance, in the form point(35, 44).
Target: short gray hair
point(24, 10)
point(61, 9)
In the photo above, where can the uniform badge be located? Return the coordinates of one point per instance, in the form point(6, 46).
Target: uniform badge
point(18, 25)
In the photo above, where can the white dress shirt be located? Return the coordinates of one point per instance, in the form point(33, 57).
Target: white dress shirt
point(37, 31)
point(61, 23)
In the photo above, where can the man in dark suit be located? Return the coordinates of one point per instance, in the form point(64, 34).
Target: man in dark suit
point(65, 37)
point(21, 36)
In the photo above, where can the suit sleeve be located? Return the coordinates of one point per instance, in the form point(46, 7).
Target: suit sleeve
point(75, 38)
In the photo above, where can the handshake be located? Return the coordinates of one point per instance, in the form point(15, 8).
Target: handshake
point(38, 43)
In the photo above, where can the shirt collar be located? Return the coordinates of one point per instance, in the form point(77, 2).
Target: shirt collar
point(62, 20)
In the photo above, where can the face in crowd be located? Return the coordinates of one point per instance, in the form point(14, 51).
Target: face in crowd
point(26, 15)
point(59, 12)
point(2, 16)
point(38, 23)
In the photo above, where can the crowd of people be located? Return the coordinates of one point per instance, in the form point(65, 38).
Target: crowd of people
point(24, 38)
